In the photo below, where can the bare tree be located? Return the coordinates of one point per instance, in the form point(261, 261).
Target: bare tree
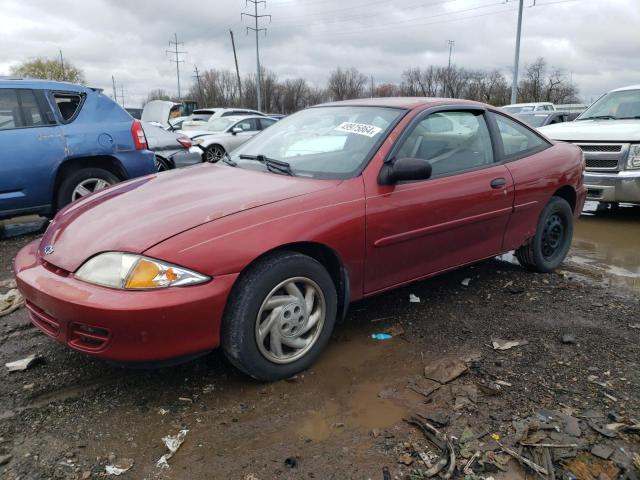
point(346, 84)
point(49, 69)
point(158, 94)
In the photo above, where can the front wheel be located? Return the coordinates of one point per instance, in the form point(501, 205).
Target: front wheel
point(548, 248)
point(280, 316)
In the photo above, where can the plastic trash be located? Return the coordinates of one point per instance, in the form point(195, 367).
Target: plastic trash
point(414, 298)
point(381, 336)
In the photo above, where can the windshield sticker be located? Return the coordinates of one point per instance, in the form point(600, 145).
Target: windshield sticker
point(359, 128)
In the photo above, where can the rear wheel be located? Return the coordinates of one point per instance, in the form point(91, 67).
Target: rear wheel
point(83, 182)
point(280, 316)
point(548, 248)
point(161, 164)
point(213, 153)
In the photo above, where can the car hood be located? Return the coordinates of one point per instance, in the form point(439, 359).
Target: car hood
point(594, 131)
point(135, 215)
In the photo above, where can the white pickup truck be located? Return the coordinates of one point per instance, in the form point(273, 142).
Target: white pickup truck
point(608, 133)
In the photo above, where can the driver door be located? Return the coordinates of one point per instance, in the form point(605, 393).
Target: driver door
point(249, 126)
point(459, 215)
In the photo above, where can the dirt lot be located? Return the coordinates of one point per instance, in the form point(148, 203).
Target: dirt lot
point(70, 416)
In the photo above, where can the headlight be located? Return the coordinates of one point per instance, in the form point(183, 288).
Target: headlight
point(135, 272)
point(197, 141)
point(633, 161)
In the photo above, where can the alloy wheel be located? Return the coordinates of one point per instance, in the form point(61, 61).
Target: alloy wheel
point(88, 186)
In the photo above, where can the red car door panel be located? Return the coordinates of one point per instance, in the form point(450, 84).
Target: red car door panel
point(420, 228)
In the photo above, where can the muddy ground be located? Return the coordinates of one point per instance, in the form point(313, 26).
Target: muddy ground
point(70, 416)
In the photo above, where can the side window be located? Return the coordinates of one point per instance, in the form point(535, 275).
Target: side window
point(518, 140)
point(68, 104)
point(266, 122)
point(30, 109)
point(10, 115)
point(450, 141)
point(249, 124)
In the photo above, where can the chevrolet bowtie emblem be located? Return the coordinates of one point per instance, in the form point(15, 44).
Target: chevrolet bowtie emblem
point(48, 250)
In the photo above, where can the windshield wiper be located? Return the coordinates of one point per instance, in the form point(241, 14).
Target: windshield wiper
point(600, 117)
point(226, 158)
point(272, 164)
point(634, 117)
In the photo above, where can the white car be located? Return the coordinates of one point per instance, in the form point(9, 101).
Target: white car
point(529, 107)
point(199, 123)
point(223, 134)
point(608, 132)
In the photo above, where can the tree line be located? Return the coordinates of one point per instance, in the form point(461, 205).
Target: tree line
point(539, 83)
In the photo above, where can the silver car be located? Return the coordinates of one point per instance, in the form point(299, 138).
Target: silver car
point(172, 150)
point(224, 134)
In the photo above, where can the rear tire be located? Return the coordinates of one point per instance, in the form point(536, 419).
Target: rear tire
point(80, 183)
point(279, 317)
point(548, 248)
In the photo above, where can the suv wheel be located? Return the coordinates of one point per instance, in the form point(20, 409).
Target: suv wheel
point(82, 182)
point(547, 249)
point(213, 153)
point(280, 316)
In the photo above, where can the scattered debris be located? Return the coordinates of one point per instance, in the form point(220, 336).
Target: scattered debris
point(635, 326)
point(4, 459)
point(405, 459)
point(173, 443)
point(413, 298)
point(291, 462)
point(163, 411)
point(185, 399)
point(499, 344)
point(386, 474)
point(601, 451)
point(22, 364)
point(381, 336)
point(10, 301)
point(465, 282)
point(568, 339)
point(119, 467)
point(445, 369)
point(443, 443)
point(533, 466)
point(602, 430)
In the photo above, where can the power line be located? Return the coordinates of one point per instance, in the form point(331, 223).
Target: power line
point(257, 30)
point(177, 60)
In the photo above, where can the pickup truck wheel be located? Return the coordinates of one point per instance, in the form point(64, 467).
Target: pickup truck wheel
point(280, 316)
point(81, 183)
point(548, 248)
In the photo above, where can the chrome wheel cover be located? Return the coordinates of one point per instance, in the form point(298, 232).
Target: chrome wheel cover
point(290, 320)
point(88, 186)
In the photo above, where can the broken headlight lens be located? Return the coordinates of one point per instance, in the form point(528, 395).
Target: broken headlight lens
point(135, 272)
point(633, 161)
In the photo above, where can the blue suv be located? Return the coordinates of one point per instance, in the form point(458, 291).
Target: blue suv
point(60, 142)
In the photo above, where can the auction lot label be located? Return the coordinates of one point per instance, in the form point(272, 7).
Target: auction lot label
point(359, 128)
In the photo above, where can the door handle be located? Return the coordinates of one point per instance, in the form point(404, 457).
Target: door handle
point(498, 183)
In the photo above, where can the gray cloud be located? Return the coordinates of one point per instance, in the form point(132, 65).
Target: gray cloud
point(595, 41)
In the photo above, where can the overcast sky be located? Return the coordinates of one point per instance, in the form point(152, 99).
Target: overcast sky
point(596, 41)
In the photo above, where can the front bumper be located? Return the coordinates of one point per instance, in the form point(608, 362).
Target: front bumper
point(622, 186)
point(118, 325)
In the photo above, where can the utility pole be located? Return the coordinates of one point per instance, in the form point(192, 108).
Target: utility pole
point(257, 30)
point(451, 44)
point(235, 57)
point(514, 85)
point(373, 92)
point(197, 75)
point(115, 95)
point(177, 60)
point(61, 62)
point(122, 95)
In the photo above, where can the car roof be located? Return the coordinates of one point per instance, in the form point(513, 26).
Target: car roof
point(43, 84)
point(527, 104)
point(630, 87)
point(399, 102)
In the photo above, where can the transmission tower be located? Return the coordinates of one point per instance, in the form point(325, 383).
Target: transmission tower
point(257, 30)
point(177, 60)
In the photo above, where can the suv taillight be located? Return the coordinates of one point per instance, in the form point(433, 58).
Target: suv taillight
point(139, 139)
point(185, 141)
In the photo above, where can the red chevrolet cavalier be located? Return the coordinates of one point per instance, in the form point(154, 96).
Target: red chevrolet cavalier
point(261, 253)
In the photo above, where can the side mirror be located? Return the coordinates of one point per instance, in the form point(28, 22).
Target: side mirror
point(236, 130)
point(404, 169)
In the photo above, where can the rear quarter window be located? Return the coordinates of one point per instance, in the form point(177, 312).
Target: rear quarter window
point(68, 104)
point(517, 141)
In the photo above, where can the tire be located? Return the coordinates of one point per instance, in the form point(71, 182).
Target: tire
point(161, 164)
point(213, 153)
point(548, 248)
point(93, 179)
point(247, 313)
